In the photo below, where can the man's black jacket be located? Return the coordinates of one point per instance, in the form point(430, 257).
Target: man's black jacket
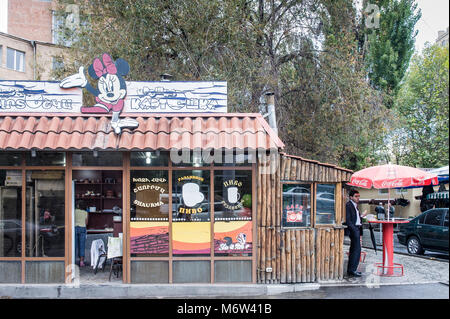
point(350, 219)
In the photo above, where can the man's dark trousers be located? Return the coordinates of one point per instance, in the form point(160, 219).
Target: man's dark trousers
point(354, 232)
point(355, 250)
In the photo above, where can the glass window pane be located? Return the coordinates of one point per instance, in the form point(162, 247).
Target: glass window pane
point(20, 61)
point(187, 158)
point(446, 219)
point(157, 158)
point(10, 213)
point(434, 218)
point(325, 204)
point(233, 213)
point(191, 214)
point(234, 158)
point(232, 195)
point(10, 158)
point(149, 213)
point(10, 55)
point(45, 158)
point(97, 158)
point(45, 214)
point(296, 205)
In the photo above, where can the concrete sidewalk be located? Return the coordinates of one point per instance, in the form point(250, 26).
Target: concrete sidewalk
point(416, 271)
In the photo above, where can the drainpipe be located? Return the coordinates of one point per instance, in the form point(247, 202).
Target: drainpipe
point(33, 44)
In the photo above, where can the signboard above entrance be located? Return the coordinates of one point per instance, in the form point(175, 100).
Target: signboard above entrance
point(38, 97)
point(176, 97)
point(142, 97)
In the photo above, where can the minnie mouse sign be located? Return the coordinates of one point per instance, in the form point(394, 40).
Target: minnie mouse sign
point(110, 92)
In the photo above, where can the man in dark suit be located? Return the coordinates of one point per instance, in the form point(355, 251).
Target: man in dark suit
point(354, 231)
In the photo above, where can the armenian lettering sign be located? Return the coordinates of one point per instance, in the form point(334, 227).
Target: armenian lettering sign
point(37, 96)
point(176, 97)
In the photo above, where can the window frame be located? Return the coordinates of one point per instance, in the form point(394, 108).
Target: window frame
point(312, 204)
point(15, 52)
point(315, 204)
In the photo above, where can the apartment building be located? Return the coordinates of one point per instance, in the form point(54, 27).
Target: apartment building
point(28, 41)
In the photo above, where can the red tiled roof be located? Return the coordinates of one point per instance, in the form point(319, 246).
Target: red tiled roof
point(206, 130)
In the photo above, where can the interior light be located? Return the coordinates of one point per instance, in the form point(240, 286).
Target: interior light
point(95, 153)
point(33, 153)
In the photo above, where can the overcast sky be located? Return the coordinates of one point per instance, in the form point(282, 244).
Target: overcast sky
point(435, 17)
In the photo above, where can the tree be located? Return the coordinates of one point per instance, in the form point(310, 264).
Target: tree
point(387, 49)
point(422, 107)
point(305, 51)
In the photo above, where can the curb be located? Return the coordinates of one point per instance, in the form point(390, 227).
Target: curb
point(144, 291)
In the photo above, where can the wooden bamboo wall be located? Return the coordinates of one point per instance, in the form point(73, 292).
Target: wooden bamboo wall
point(300, 254)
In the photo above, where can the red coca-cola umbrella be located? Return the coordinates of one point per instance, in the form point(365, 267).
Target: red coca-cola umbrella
point(392, 176)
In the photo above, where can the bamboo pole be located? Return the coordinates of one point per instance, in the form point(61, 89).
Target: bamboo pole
point(263, 255)
point(294, 255)
point(287, 171)
point(312, 255)
point(341, 254)
point(283, 166)
point(337, 252)
point(288, 257)
point(283, 257)
point(325, 250)
point(332, 256)
point(318, 251)
point(293, 170)
point(299, 170)
point(303, 255)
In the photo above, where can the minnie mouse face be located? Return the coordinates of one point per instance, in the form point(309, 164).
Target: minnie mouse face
point(111, 85)
point(110, 88)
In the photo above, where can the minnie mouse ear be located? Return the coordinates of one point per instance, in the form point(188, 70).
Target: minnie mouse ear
point(122, 67)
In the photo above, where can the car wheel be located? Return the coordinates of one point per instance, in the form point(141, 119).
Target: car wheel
point(414, 246)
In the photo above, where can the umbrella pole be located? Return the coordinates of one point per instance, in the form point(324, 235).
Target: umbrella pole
point(389, 202)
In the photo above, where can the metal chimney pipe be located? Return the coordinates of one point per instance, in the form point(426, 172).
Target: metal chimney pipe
point(270, 101)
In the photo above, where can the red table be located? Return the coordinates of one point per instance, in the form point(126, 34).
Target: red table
point(388, 266)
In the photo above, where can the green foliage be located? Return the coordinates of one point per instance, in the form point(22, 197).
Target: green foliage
point(388, 49)
point(422, 107)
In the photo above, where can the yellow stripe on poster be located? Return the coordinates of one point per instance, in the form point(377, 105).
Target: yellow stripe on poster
point(194, 232)
point(225, 227)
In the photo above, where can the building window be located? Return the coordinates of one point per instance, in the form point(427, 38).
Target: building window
point(97, 158)
point(15, 60)
point(382, 191)
point(325, 204)
point(10, 213)
point(45, 214)
point(149, 214)
point(296, 205)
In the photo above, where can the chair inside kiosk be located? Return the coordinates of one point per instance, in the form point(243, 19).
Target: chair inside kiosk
point(99, 192)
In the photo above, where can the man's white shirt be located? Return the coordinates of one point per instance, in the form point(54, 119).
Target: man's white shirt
point(358, 220)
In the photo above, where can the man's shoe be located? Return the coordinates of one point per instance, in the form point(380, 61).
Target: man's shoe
point(354, 274)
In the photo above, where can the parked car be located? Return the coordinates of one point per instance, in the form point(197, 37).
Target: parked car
point(428, 231)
